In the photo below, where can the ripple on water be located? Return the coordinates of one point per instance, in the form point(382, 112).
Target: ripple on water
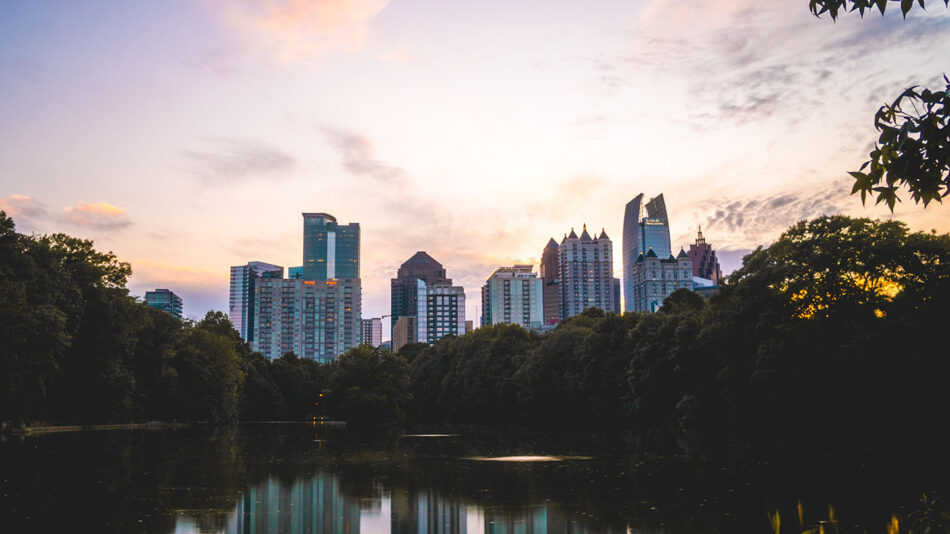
point(526, 458)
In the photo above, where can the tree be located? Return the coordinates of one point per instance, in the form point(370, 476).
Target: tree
point(833, 7)
point(369, 386)
point(913, 149)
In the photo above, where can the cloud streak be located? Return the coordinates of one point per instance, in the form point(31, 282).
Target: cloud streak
point(23, 209)
point(236, 160)
point(97, 216)
point(302, 29)
point(356, 156)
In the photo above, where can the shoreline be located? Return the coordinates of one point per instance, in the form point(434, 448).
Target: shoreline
point(50, 429)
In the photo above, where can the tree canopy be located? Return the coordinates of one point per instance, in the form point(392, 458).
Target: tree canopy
point(835, 7)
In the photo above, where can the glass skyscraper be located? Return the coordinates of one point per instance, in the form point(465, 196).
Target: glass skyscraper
point(640, 235)
point(241, 299)
point(330, 250)
point(164, 300)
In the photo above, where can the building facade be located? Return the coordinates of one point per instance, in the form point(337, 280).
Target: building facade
point(371, 332)
point(440, 311)
point(241, 297)
point(330, 250)
point(513, 295)
point(641, 233)
point(165, 300)
point(705, 263)
point(313, 319)
point(655, 279)
point(551, 281)
point(586, 269)
point(404, 332)
point(403, 289)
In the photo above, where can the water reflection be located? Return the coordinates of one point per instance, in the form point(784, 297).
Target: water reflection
point(318, 506)
point(297, 479)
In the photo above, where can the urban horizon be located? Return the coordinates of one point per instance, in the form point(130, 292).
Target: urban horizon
point(221, 128)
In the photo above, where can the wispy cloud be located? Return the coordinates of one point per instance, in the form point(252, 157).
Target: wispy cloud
point(234, 160)
point(24, 210)
point(302, 29)
point(356, 155)
point(748, 222)
point(97, 216)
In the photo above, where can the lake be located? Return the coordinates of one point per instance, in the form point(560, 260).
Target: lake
point(323, 478)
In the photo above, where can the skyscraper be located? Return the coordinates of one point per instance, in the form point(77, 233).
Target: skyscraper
point(440, 311)
point(330, 250)
point(241, 299)
point(314, 319)
point(551, 292)
point(705, 264)
point(656, 278)
point(165, 300)
point(640, 234)
point(422, 292)
point(513, 295)
point(586, 268)
point(404, 292)
point(371, 332)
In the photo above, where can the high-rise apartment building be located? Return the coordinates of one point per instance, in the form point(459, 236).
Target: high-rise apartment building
point(314, 319)
point(656, 278)
point(440, 311)
point(705, 264)
point(330, 250)
point(241, 299)
point(586, 269)
point(404, 291)
point(551, 280)
point(513, 295)
point(641, 234)
point(371, 332)
point(165, 300)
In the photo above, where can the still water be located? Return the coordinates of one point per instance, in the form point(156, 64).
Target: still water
point(306, 478)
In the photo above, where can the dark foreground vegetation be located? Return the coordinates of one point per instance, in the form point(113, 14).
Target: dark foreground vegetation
point(830, 337)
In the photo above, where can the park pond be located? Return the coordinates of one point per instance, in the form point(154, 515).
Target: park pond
point(324, 478)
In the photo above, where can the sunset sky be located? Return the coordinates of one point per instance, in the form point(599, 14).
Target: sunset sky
point(189, 135)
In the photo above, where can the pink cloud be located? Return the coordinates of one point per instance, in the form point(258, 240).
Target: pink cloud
point(302, 29)
point(98, 215)
point(22, 208)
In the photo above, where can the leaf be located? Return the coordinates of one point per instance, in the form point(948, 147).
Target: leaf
point(905, 6)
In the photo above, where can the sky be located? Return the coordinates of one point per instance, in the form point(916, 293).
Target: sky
point(187, 136)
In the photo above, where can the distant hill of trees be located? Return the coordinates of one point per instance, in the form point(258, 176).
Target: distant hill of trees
point(831, 336)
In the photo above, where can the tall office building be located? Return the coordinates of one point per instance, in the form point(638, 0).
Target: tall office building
point(615, 287)
point(440, 311)
point(513, 295)
point(404, 291)
point(705, 264)
point(551, 292)
point(165, 300)
point(314, 319)
point(656, 278)
point(371, 332)
point(241, 299)
point(586, 268)
point(330, 250)
point(640, 234)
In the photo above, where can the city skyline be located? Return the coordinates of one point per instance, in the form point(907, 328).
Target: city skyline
point(180, 129)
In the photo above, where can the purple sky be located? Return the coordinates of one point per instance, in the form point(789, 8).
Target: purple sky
point(189, 135)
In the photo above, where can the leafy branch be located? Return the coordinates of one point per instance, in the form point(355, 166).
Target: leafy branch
point(833, 7)
point(913, 150)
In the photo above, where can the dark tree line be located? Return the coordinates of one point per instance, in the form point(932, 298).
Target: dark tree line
point(75, 347)
point(829, 336)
